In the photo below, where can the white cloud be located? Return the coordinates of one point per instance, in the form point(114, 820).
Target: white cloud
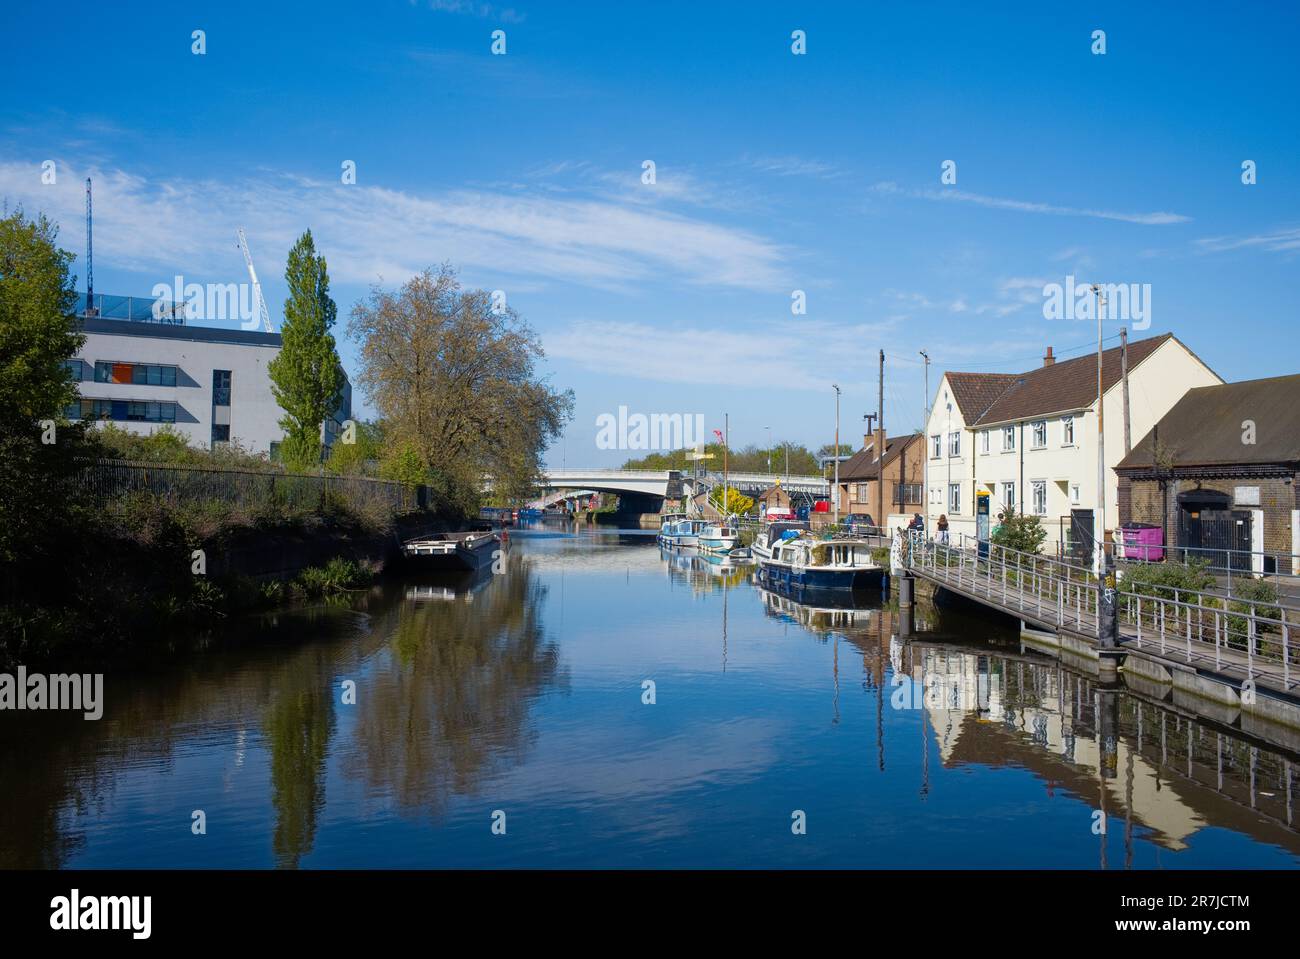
point(1026, 206)
point(802, 356)
point(372, 232)
point(1279, 241)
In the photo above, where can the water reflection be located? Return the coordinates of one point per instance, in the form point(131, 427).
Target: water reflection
point(953, 747)
point(449, 687)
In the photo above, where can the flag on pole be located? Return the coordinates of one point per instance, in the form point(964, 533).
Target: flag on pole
point(721, 438)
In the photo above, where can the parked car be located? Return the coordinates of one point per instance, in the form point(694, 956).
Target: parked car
point(858, 519)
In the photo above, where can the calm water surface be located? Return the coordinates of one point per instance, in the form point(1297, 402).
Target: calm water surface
point(523, 693)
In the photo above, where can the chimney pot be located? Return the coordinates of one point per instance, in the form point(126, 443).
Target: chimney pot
point(1049, 359)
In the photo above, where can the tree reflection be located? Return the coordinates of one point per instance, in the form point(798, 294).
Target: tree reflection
point(449, 701)
point(297, 726)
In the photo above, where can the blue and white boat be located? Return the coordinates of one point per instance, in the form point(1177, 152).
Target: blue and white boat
point(718, 538)
point(808, 563)
point(774, 533)
point(681, 532)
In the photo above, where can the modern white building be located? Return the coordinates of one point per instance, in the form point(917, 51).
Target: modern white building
point(1029, 440)
point(209, 384)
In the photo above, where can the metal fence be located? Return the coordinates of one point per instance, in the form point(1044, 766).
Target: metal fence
point(1218, 626)
point(252, 488)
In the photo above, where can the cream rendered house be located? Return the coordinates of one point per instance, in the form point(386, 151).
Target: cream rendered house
point(1030, 439)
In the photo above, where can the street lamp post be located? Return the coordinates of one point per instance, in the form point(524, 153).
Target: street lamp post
point(769, 449)
point(925, 442)
point(836, 491)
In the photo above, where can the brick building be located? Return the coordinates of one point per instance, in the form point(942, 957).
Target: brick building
point(1218, 473)
point(903, 471)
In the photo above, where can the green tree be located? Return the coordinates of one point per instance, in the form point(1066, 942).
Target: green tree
point(452, 373)
point(38, 328)
point(735, 502)
point(306, 375)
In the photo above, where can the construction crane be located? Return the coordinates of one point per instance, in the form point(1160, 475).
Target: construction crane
point(257, 287)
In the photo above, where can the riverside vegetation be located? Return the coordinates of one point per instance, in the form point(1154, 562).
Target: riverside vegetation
point(92, 573)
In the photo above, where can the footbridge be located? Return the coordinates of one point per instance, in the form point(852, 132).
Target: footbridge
point(1234, 650)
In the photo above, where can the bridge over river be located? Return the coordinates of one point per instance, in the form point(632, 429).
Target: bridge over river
point(674, 484)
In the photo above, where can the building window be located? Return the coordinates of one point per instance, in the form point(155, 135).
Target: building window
point(1039, 488)
point(1040, 434)
point(220, 432)
point(936, 446)
point(76, 368)
point(954, 497)
point(122, 411)
point(221, 387)
point(954, 443)
point(906, 493)
point(1067, 431)
point(135, 374)
point(860, 492)
point(984, 441)
point(1075, 495)
point(1008, 438)
point(1009, 495)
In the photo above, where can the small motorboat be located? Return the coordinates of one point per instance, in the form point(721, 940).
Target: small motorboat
point(467, 551)
point(820, 564)
point(775, 533)
point(718, 538)
point(681, 532)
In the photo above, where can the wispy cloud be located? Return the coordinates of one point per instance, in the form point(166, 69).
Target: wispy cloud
point(793, 166)
point(1278, 241)
point(804, 357)
point(485, 11)
point(1026, 206)
point(373, 232)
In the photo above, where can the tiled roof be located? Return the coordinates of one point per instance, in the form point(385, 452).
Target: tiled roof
point(1204, 428)
point(976, 392)
point(864, 465)
point(1065, 385)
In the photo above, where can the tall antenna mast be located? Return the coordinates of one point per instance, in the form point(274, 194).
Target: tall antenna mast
point(90, 257)
point(257, 287)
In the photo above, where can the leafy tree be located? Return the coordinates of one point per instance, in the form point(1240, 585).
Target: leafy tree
point(306, 375)
point(1020, 532)
point(38, 327)
point(453, 377)
point(734, 501)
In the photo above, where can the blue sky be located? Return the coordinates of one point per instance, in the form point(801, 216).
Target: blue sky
point(775, 172)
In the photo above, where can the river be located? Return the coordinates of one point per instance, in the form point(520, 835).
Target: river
point(605, 703)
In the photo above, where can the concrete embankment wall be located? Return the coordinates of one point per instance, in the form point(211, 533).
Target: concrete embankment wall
point(283, 553)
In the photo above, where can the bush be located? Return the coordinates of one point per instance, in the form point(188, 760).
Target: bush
point(336, 576)
point(1019, 532)
point(1162, 579)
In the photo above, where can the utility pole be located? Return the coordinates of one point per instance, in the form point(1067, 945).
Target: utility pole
point(1107, 621)
point(925, 441)
point(880, 450)
point(1123, 342)
point(836, 490)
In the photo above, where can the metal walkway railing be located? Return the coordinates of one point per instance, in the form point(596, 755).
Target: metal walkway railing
point(1232, 632)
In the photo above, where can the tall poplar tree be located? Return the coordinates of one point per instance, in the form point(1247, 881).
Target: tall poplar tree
point(306, 376)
